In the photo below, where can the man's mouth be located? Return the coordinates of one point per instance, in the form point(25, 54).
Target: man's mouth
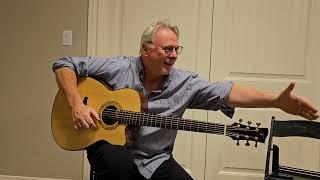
point(169, 63)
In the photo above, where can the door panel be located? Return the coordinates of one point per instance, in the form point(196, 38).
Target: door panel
point(264, 44)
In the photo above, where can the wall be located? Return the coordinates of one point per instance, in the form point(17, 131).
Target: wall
point(30, 41)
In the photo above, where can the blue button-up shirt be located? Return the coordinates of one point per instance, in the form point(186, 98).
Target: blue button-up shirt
point(182, 90)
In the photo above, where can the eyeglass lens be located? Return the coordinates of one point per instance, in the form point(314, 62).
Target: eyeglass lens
point(169, 49)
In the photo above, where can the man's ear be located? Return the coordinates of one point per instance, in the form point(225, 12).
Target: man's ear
point(144, 50)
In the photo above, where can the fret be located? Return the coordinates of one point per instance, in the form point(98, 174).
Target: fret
point(120, 117)
point(129, 118)
point(156, 121)
point(175, 123)
point(123, 117)
point(151, 117)
point(133, 118)
point(138, 118)
point(183, 124)
point(160, 123)
point(165, 123)
point(145, 120)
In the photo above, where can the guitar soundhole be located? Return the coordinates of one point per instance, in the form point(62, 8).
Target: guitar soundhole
point(109, 115)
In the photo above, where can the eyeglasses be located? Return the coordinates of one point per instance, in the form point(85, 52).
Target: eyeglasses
point(169, 49)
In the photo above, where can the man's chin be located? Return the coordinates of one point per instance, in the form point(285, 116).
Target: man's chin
point(165, 72)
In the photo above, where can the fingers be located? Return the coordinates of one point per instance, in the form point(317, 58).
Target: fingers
point(85, 119)
point(307, 109)
point(303, 107)
point(80, 123)
point(93, 118)
point(95, 115)
point(308, 115)
point(307, 105)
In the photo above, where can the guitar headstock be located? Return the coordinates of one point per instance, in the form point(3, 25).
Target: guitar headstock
point(238, 131)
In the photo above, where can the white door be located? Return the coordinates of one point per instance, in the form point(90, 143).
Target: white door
point(264, 44)
point(115, 28)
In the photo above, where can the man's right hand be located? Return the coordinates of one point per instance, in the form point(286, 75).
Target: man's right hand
point(84, 117)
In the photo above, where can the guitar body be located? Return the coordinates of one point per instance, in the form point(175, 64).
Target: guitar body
point(97, 96)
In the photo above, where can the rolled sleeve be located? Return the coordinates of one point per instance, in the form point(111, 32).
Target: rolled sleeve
point(78, 64)
point(63, 62)
point(97, 67)
point(211, 95)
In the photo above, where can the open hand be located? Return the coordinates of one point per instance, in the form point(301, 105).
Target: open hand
point(296, 105)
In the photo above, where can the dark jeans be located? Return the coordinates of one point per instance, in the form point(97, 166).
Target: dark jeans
point(116, 162)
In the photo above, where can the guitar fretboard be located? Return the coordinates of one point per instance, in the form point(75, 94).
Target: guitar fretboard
point(144, 119)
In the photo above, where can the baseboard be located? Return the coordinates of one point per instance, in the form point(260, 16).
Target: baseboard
point(7, 177)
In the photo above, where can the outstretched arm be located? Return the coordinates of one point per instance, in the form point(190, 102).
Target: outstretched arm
point(286, 100)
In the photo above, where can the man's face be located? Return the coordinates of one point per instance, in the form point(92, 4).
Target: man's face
point(161, 54)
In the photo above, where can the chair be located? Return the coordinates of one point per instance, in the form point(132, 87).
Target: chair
point(302, 128)
point(92, 174)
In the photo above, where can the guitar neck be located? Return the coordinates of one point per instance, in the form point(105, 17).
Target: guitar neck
point(235, 131)
point(144, 119)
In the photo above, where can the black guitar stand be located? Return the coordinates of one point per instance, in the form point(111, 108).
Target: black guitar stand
point(300, 128)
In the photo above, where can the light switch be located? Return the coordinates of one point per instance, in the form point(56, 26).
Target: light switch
point(67, 38)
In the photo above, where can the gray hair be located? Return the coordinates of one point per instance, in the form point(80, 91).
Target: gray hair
point(148, 34)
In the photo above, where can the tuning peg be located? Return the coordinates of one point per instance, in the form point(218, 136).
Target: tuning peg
point(247, 138)
point(239, 124)
point(256, 140)
point(238, 137)
point(240, 121)
point(258, 124)
point(257, 128)
point(249, 123)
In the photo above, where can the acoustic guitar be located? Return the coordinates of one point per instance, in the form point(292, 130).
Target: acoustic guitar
point(120, 108)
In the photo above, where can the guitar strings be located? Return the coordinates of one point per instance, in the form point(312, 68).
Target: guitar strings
point(166, 121)
point(151, 120)
point(133, 119)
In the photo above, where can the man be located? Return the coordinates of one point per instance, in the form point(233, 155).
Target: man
point(169, 92)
